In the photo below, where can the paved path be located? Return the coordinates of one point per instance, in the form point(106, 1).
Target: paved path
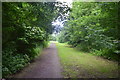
point(47, 65)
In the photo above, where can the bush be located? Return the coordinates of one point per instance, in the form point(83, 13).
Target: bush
point(13, 62)
point(23, 36)
point(52, 38)
point(106, 53)
point(18, 53)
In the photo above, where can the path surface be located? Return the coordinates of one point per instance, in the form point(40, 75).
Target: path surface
point(47, 65)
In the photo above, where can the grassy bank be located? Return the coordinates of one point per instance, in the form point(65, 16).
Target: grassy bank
point(84, 65)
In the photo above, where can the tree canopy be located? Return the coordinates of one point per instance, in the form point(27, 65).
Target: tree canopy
point(93, 27)
point(26, 27)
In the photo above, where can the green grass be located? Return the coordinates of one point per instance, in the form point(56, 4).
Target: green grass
point(84, 65)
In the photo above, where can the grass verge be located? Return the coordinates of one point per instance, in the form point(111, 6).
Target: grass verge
point(78, 64)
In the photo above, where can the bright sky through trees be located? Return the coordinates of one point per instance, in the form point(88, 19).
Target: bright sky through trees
point(58, 22)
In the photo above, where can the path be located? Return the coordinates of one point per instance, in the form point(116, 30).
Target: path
point(47, 65)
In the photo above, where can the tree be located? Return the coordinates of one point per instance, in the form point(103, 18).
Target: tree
point(26, 27)
point(93, 27)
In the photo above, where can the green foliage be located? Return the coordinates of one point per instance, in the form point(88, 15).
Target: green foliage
point(64, 33)
point(93, 26)
point(13, 62)
point(52, 38)
point(32, 38)
point(25, 30)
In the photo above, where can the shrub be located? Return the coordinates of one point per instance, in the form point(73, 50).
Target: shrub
point(106, 53)
point(13, 62)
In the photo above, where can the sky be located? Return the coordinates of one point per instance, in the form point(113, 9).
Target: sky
point(69, 3)
point(59, 23)
point(65, 0)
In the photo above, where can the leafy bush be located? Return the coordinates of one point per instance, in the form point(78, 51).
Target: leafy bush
point(52, 38)
point(106, 53)
point(63, 36)
point(25, 31)
point(92, 27)
point(13, 62)
point(17, 54)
